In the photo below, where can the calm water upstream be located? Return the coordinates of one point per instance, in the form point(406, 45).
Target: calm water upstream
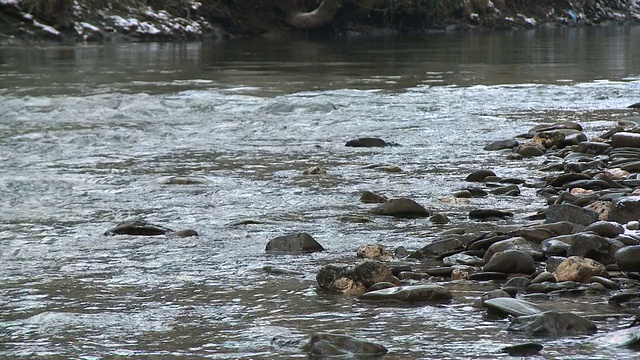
point(89, 134)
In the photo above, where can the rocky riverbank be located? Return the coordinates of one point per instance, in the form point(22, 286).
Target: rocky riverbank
point(85, 21)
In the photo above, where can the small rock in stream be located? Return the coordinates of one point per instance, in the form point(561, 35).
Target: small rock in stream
point(326, 345)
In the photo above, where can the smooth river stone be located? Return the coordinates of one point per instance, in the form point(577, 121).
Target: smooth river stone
point(625, 139)
point(342, 346)
point(511, 261)
point(620, 338)
point(553, 323)
point(628, 258)
point(293, 244)
point(411, 294)
point(366, 142)
point(402, 208)
point(513, 306)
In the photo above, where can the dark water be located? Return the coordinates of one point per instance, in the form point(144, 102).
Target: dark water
point(90, 134)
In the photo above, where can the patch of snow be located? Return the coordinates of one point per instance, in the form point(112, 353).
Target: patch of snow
point(530, 21)
point(509, 18)
point(474, 16)
point(147, 28)
point(195, 5)
point(490, 4)
point(46, 28)
point(9, 2)
point(89, 27)
point(27, 16)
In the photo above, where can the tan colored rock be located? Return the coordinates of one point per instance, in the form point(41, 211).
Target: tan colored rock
point(580, 269)
point(616, 173)
point(603, 208)
point(375, 252)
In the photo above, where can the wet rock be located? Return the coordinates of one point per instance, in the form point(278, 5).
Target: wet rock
point(608, 229)
point(595, 247)
point(489, 214)
point(293, 244)
point(402, 208)
point(139, 228)
point(570, 213)
point(518, 282)
point(625, 297)
point(625, 139)
point(389, 168)
point(553, 262)
point(634, 106)
point(549, 138)
point(529, 151)
point(544, 276)
point(371, 197)
point(439, 218)
point(592, 147)
point(625, 209)
point(516, 243)
point(501, 144)
point(511, 306)
point(547, 287)
point(380, 286)
point(486, 242)
point(552, 323)
point(554, 247)
point(366, 142)
point(528, 349)
point(570, 125)
point(607, 283)
point(175, 180)
point(440, 271)
point(471, 192)
point(487, 275)
point(375, 252)
point(620, 338)
point(573, 139)
point(183, 233)
point(410, 294)
point(479, 176)
point(493, 294)
point(563, 179)
point(246, 222)
point(342, 346)
point(279, 271)
point(509, 190)
point(628, 258)
point(410, 275)
point(462, 259)
point(511, 261)
point(354, 280)
point(439, 247)
point(578, 269)
point(315, 170)
point(462, 273)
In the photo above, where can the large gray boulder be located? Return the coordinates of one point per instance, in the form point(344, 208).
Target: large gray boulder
point(571, 213)
point(410, 294)
point(293, 244)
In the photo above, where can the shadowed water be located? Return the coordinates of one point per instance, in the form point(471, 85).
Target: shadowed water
point(90, 134)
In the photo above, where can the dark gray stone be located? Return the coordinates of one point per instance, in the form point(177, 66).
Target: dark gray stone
point(371, 197)
point(366, 142)
point(294, 244)
point(625, 209)
point(571, 213)
point(489, 214)
point(511, 306)
point(410, 294)
point(608, 229)
point(401, 208)
point(594, 247)
point(528, 349)
point(511, 261)
point(326, 345)
point(480, 175)
point(625, 139)
point(139, 228)
point(501, 144)
point(628, 258)
point(552, 323)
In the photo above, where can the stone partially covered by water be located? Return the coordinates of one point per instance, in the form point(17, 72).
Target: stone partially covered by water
point(410, 294)
point(293, 244)
point(354, 280)
point(401, 208)
point(511, 306)
point(141, 228)
point(553, 323)
point(327, 345)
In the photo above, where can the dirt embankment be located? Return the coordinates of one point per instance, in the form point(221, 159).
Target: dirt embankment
point(154, 20)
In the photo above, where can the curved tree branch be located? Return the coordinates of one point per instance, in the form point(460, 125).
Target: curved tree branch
point(316, 18)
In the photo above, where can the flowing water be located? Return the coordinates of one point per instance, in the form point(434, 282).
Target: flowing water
point(91, 135)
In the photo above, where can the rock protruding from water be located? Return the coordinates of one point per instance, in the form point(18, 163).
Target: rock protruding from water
point(371, 197)
point(571, 213)
point(326, 345)
point(293, 244)
point(625, 209)
point(367, 142)
point(139, 228)
point(552, 323)
point(479, 175)
point(401, 208)
point(354, 280)
point(511, 261)
point(528, 349)
point(511, 306)
point(628, 258)
point(621, 338)
point(410, 294)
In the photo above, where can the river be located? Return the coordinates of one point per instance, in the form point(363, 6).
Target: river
point(90, 135)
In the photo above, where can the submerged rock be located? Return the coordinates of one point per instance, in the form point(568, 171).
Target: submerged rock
point(342, 346)
point(416, 293)
point(528, 349)
point(620, 338)
point(553, 323)
point(294, 244)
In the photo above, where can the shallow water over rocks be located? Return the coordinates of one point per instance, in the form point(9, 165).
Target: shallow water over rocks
point(89, 136)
